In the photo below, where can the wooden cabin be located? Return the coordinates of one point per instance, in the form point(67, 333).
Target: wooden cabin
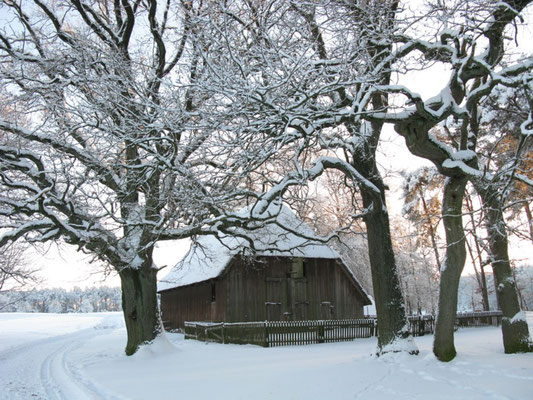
point(295, 280)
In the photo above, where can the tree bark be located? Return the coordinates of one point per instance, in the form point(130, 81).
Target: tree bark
point(390, 308)
point(452, 266)
point(515, 330)
point(139, 305)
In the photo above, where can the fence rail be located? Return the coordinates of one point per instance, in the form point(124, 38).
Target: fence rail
point(285, 333)
point(281, 333)
point(482, 318)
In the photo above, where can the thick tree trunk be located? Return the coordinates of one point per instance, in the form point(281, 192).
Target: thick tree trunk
point(515, 331)
point(392, 320)
point(139, 304)
point(452, 266)
point(393, 327)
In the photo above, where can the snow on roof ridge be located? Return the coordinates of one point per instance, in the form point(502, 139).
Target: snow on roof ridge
point(210, 255)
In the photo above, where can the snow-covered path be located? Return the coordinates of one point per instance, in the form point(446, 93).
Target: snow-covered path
point(47, 368)
point(50, 374)
point(49, 356)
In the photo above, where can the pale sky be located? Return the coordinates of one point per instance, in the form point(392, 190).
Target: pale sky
point(65, 267)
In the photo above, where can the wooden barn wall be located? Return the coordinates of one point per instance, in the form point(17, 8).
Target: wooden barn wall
point(246, 288)
point(331, 284)
point(331, 293)
point(266, 290)
point(192, 303)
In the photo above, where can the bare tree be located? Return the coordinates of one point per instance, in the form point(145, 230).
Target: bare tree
point(14, 270)
point(476, 249)
point(149, 123)
point(418, 276)
point(300, 72)
point(474, 74)
point(506, 151)
point(421, 191)
point(318, 74)
point(111, 144)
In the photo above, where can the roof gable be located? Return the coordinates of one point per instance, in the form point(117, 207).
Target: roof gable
point(210, 255)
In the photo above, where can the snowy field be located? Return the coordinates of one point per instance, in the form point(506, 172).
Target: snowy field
point(80, 356)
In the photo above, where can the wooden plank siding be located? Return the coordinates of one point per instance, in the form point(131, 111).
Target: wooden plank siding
point(269, 288)
point(192, 302)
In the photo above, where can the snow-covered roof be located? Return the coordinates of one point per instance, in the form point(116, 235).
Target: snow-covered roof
point(210, 255)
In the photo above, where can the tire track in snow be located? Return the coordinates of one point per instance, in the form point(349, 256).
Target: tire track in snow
point(57, 379)
point(44, 370)
point(62, 380)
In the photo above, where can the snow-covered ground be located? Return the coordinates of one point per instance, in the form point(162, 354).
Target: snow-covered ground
point(80, 356)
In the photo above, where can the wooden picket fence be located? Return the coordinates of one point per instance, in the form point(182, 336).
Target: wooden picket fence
point(480, 318)
point(419, 325)
point(286, 333)
point(281, 333)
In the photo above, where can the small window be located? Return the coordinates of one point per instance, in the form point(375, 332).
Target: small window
point(213, 291)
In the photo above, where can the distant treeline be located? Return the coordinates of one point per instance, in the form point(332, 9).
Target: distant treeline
point(417, 291)
point(58, 300)
point(469, 298)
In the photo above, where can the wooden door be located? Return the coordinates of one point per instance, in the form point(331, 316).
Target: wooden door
point(275, 295)
point(299, 300)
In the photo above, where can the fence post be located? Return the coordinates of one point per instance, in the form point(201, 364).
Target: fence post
point(265, 344)
point(321, 333)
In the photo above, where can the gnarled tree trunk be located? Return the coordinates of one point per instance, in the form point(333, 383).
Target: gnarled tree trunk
point(515, 330)
point(139, 305)
point(452, 266)
point(390, 308)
